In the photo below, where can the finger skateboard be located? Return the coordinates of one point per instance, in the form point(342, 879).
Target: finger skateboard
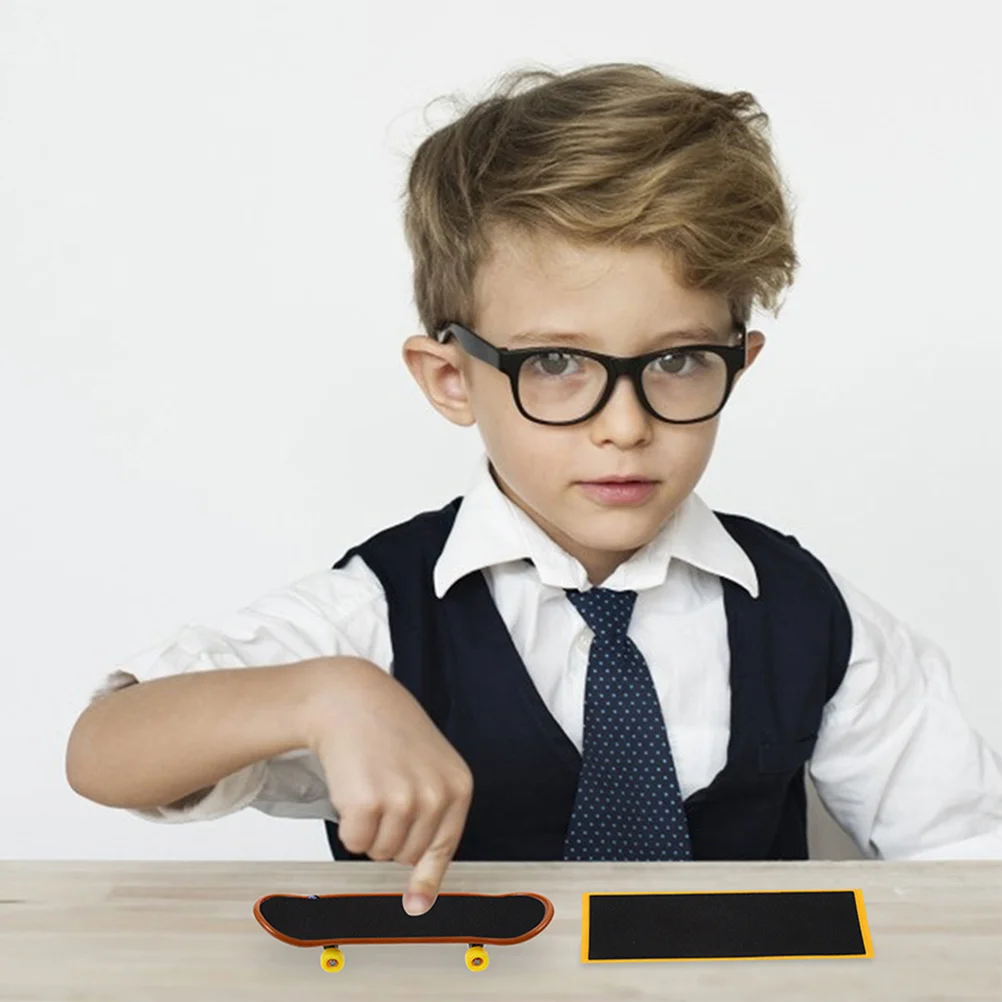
point(332, 920)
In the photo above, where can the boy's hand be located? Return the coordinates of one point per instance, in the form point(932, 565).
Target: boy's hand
point(401, 790)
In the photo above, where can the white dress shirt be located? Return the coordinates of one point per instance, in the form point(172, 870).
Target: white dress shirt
point(895, 763)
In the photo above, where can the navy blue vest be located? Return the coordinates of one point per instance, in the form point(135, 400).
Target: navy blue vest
point(789, 650)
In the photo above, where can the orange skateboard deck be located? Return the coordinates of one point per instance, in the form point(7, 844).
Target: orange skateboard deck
point(333, 920)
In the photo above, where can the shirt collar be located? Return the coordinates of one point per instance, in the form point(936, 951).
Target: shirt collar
point(490, 529)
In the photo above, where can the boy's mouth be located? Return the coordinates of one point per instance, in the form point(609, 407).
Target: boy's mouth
point(621, 480)
point(619, 490)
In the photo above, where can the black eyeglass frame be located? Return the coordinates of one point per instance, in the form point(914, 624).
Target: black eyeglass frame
point(510, 361)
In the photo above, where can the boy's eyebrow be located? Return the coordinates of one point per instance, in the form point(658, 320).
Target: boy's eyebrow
point(695, 333)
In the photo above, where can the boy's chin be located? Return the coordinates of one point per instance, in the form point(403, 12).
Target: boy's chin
point(617, 530)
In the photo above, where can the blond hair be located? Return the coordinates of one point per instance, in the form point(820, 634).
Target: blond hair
point(615, 154)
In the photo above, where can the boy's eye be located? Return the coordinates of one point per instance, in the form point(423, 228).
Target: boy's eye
point(679, 363)
point(554, 363)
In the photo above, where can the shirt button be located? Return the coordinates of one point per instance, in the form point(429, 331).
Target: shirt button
point(582, 642)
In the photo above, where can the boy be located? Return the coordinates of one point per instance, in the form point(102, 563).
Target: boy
point(578, 659)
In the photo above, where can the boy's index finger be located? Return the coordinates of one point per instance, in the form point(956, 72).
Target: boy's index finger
point(426, 879)
point(429, 871)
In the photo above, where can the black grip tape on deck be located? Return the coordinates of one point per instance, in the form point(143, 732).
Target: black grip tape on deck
point(726, 925)
point(379, 917)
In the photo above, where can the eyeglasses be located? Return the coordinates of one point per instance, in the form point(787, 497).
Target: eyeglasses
point(558, 386)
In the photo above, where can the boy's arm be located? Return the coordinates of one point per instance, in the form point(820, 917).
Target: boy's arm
point(231, 793)
point(333, 735)
point(327, 613)
point(171, 738)
point(403, 792)
point(896, 762)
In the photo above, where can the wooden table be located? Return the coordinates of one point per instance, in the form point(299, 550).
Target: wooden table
point(145, 932)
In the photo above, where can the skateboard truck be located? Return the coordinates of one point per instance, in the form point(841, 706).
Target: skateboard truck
point(332, 959)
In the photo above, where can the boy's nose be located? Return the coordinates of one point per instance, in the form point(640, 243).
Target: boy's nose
point(623, 420)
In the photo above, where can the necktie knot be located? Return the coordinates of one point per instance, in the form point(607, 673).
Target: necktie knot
point(606, 611)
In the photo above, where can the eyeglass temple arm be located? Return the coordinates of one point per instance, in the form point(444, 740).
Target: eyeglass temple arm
point(476, 346)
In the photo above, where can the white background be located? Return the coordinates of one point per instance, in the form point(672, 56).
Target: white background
point(204, 287)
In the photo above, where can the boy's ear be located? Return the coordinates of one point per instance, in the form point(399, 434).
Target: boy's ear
point(437, 369)
point(756, 342)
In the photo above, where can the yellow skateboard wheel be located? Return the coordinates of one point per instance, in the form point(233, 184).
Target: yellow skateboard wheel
point(332, 959)
point(477, 959)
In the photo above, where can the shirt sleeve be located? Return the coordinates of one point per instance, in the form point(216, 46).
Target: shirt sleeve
point(328, 613)
point(896, 762)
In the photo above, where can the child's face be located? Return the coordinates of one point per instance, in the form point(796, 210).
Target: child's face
point(619, 301)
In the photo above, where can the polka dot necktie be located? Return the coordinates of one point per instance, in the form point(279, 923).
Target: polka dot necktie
point(628, 804)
